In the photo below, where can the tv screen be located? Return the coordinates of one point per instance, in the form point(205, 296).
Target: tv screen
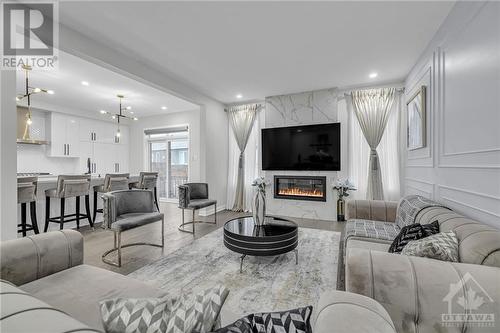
point(311, 147)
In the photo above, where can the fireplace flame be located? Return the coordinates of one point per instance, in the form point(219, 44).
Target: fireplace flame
point(301, 192)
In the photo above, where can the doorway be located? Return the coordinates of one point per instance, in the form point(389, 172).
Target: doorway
point(168, 154)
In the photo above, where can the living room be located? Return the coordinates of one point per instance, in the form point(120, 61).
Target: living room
point(250, 167)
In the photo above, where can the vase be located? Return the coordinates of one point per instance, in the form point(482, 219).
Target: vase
point(340, 209)
point(259, 207)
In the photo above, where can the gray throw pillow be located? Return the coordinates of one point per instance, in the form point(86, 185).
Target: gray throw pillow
point(441, 246)
point(187, 313)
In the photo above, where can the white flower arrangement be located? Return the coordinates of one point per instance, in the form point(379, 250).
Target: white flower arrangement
point(343, 187)
point(260, 183)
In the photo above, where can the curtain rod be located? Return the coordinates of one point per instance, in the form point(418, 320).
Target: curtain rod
point(401, 90)
point(259, 106)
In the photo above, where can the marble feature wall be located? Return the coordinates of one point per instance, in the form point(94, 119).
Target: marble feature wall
point(305, 108)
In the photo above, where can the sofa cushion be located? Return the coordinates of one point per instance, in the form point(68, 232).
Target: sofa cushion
point(200, 203)
point(78, 291)
point(377, 230)
point(22, 312)
point(478, 243)
point(441, 246)
point(417, 292)
point(413, 232)
point(187, 313)
point(133, 220)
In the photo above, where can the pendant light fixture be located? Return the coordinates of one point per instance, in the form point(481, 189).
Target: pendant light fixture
point(118, 116)
point(29, 90)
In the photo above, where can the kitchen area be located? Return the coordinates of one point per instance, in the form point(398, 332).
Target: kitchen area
point(78, 119)
point(62, 144)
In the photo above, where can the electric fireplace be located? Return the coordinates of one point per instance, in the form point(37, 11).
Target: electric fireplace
point(300, 188)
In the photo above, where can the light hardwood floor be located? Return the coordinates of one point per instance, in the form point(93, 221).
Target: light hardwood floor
point(99, 240)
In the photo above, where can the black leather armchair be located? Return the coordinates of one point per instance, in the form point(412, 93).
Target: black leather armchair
point(194, 196)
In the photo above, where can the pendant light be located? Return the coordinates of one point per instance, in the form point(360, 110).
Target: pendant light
point(118, 116)
point(29, 90)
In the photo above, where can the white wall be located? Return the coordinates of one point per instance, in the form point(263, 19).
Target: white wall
point(8, 182)
point(306, 108)
point(461, 68)
point(138, 150)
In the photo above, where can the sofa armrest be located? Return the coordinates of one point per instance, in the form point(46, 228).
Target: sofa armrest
point(417, 291)
point(30, 258)
point(345, 312)
point(375, 210)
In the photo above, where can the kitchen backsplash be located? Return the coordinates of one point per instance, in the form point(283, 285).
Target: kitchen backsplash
point(33, 158)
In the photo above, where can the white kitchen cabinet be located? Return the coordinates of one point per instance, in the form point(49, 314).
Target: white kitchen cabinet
point(64, 135)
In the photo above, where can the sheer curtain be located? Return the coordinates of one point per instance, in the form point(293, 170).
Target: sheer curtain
point(251, 165)
point(388, 152)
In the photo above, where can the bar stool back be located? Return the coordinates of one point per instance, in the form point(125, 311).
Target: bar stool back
point(26, 193)
point(69, 186)
point(112, 182)
point(148, 181)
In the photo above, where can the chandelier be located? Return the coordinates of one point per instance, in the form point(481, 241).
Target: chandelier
point(118, 116)
point(29, 90)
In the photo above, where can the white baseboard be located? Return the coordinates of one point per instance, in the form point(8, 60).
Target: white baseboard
point(210, 210)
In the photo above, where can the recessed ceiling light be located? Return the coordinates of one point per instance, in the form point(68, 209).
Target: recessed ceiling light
point(50, 92)
point(102, 111)
point(128, 107)
point(113, 117)
point(37, 90)
point(135, 118)
point(85, 83)
point(373, 75)
point(239, 96)
point(163, 107)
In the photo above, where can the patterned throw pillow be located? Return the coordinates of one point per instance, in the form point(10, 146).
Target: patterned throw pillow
point(442, 246)
point(292, 321)
point(188, 313)
point(413, 232)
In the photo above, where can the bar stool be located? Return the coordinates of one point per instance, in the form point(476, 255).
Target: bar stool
point(69, 186)
point(26, 193)
point(112, 182)
point(147, 181)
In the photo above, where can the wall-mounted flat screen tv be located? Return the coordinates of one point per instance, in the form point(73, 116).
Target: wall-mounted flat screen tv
point(311, 147)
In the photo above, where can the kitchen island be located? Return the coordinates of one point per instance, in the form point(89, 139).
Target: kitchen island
point(46, 182)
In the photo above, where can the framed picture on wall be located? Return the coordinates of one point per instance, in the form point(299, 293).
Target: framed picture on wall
point(416, 120)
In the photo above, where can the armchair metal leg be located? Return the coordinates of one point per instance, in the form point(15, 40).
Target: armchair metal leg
point(194, 221)
point(117, 238)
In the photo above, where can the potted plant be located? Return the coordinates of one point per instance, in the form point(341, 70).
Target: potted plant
point(342, 187)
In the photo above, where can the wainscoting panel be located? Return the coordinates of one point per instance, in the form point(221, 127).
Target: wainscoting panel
point(481, 206)
point(424, 77)
point(465, 67)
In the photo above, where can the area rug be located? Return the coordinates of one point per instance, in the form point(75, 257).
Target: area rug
point(266, 283)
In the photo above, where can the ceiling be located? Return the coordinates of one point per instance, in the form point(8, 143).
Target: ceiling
point(260, 49)
point(100, 94)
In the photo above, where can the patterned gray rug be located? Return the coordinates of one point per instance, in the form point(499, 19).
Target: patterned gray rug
point(266, 284)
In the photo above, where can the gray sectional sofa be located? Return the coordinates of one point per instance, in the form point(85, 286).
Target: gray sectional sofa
point(421, 294)
point(46, 287)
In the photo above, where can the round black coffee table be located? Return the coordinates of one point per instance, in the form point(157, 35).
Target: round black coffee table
point(276, 236)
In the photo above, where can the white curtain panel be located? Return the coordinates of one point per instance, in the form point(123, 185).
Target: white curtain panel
point(372, 109)
point(359, 152)
point(241, 122)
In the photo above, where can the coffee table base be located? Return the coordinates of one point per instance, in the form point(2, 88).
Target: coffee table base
point(244, 255)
